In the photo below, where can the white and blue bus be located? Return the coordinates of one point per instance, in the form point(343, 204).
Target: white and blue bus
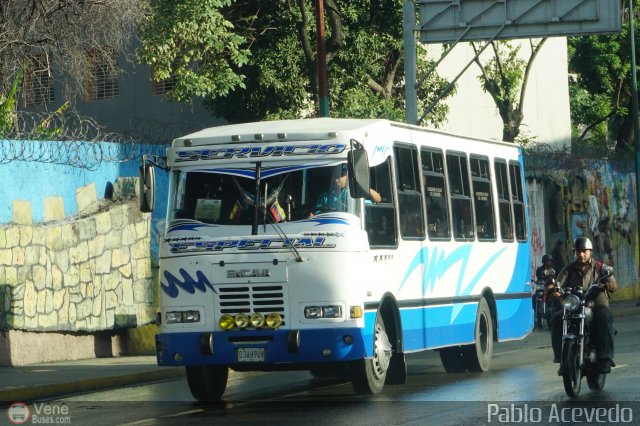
point(338, 246)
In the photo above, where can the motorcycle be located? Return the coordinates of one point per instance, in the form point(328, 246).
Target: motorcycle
point(578, 352)
point(542, 302)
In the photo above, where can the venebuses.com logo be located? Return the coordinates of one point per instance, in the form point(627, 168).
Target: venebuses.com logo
point(20, 413)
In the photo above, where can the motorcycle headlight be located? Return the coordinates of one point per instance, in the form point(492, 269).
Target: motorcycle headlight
point(571, 302)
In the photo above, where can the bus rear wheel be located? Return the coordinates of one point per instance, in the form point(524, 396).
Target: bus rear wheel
point(477, 356)
point(452, 359)
point(207, 383)
point(368, 375)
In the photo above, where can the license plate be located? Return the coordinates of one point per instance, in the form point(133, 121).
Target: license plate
point(251, 354)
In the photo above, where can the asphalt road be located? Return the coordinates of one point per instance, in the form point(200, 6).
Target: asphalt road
point(522, 387)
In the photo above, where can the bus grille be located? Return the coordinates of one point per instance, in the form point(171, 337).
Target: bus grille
point(249, 298)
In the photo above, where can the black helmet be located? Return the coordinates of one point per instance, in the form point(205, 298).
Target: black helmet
point(582, 243)
point(547, 258)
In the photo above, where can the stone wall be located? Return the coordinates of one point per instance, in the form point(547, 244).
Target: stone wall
point(87, 273)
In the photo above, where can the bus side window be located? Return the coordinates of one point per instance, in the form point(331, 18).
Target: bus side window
point(504, 200)
point(380, 220)
point(435, 193)
point(463, 227)
point(517, 196)
point(483, 198)
point(409, 192)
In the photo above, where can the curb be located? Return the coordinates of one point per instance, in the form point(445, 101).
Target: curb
point(35, 393)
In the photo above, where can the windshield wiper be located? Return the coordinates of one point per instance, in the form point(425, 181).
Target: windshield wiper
point(281, 234)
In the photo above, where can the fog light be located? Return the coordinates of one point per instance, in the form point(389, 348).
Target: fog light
point(242, 321)
point(274, 320)
point(226, 322)
point(178, 356)
point(326, 352)
point(257, 320)
point(348, 339)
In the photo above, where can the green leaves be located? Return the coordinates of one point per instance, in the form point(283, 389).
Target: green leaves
point(193, 42)
point(8, 103)
point(600, 88)
point(257, 60)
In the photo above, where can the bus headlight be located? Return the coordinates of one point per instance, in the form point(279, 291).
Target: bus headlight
point(273, 320)
point(329, 311)
point(571, 302)
point(176, 317)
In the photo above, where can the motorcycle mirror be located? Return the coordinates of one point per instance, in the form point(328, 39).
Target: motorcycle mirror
point(607, 271)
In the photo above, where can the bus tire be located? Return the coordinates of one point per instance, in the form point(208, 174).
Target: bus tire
point(477, 356)
point(207, 383)
point(451, 359)
point(368, 375)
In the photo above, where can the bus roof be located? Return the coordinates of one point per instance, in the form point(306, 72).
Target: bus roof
point(312, 128)
point(302, 129)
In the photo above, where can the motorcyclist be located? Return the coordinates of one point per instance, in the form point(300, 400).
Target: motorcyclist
point(584, 272)
point(541, 272)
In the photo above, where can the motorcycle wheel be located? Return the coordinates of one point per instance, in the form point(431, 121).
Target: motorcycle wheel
point(539, 319)
point(571, 372)
point(596, 381)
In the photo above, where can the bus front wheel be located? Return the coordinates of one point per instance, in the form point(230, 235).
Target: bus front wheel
point(368, 375)
point(207, 383)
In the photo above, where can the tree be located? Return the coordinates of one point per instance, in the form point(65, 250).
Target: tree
point(600, 87)
point(505, 77)
point(259, 60)
point(61, 32)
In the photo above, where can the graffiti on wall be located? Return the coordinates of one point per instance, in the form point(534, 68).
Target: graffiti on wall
point(599, 203)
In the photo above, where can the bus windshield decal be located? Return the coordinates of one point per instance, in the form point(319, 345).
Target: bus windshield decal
point(248, 244)
point(187, 283)
point(264, 173)
point(228, 152)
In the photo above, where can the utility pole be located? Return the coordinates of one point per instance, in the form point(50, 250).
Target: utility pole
point(323, 89)
point(634, 112)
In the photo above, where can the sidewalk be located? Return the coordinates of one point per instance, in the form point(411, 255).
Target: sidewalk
point(44, 381)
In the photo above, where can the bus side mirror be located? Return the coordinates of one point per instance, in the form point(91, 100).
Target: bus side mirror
point(358, 164)
point(146, 188)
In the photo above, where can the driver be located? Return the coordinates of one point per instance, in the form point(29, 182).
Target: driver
point(336, 199)
point(584, 272)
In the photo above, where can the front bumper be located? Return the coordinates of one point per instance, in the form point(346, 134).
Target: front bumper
point(280, 347)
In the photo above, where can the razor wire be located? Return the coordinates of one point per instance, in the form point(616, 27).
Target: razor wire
point(69, 139)
point(541, 157)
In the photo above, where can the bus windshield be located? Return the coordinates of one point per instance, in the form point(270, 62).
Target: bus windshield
point(224, 198)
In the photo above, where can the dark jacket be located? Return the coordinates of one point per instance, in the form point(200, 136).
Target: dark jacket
point(575, 274)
